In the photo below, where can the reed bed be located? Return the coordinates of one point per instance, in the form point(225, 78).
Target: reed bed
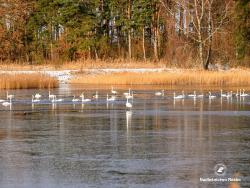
point(27, 81)
point(187, 77)
point(82, 64)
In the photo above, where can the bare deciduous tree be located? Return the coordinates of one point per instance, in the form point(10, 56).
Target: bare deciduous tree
point(206, 19)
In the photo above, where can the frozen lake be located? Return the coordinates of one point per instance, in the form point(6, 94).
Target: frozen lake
point(160, 142)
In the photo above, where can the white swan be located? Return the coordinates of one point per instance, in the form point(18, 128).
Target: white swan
point(130, 96)
point(96, 95)
point(200, 96)
point(51, 96)
point(237, 93)
point(74, 99)
point(243, 94)
point(38, 96)
point(113, 91)
point(128, 104)
point(179, 96)
point(192, 95)
point(84, 99)
point(160, 93)
point(54, 99)
point(9, 96)
point(223, 94)
point(112, 98)
point(33, 100)
point(127, 93)
point(7, 103)
point(211, 96)
point(229, 94)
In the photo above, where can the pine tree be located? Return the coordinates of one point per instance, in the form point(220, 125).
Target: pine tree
point(242, 33)
point(143, 13)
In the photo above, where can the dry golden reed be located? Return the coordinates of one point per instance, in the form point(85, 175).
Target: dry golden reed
point(189, 77)
point(83, 64)
point(27, 81)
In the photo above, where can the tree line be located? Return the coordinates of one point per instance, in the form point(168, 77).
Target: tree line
point(176, 31)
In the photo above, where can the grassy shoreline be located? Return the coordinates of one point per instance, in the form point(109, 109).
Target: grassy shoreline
point(79, 65)
point(236, 77)
point(27, 81)
point(98, 72)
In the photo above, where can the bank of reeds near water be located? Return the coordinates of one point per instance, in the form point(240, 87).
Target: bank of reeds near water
point(172, 78)
point(27, 81)
point(80, 65)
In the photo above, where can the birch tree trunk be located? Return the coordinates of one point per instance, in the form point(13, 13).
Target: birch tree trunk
point(199, 12)
point(143, 43)
point(155, 33)
point(155, 45)
point(210, 37)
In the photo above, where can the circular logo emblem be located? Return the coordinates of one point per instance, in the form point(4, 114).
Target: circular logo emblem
point(220, 169)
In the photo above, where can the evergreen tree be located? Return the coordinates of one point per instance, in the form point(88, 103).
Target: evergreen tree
point(242, 33)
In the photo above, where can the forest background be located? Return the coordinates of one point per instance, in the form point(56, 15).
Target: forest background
point(181, 33)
